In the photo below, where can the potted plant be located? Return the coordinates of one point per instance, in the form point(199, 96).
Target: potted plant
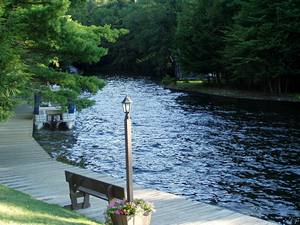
point(122, 212)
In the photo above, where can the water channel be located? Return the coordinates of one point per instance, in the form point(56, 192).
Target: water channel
point(236, 157)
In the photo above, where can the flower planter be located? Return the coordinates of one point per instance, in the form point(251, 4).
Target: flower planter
point(131, 220)
point(122, 212)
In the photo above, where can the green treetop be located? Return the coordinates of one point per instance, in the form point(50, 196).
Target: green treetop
point(263, 45)
point(37, 38)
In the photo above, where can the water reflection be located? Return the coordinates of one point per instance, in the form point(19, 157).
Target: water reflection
point(237, 157)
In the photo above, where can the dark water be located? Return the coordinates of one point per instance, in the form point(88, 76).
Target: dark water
point(242, 159)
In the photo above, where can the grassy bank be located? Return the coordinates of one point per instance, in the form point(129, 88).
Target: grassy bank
point(19, 208)
point(198, 86)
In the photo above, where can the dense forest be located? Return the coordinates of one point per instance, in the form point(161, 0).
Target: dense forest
point(251, 44)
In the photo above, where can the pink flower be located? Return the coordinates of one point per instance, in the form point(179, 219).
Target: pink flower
point(114, 202)
point(118, 212)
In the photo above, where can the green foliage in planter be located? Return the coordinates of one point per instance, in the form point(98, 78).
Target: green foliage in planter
point(137, 207)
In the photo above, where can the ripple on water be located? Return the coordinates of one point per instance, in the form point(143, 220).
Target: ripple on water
point(238, 158)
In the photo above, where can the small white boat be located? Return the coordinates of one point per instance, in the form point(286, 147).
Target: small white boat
point(46, 115)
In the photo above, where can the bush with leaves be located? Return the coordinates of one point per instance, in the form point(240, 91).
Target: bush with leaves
point(38, 35)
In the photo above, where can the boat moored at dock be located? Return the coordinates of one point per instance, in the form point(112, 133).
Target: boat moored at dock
point(53, 116)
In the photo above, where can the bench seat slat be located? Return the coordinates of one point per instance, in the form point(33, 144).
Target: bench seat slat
point(94, 193)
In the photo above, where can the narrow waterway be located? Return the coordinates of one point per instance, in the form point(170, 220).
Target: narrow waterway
point(242, 159)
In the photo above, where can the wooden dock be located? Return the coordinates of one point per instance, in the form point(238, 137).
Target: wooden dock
point(26, 167)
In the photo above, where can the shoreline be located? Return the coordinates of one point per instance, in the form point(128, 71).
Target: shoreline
point(234, 94)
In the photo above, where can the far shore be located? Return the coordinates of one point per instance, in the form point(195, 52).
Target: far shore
point(195, 87)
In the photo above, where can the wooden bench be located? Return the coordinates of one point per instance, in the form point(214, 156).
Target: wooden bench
point(81, 186)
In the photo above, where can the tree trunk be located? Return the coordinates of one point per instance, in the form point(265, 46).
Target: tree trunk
point(279, 85)
point(215, 78)
point(270, 86)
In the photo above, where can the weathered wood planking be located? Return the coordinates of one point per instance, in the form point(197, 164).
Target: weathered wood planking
point(25, 166)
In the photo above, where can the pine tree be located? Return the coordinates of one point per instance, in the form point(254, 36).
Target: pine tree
point(37, 38)
point(263, 46)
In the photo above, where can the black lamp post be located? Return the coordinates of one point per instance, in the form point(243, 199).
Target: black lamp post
point(127, 122)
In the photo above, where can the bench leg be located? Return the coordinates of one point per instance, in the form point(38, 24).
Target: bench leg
point(86, 201)
point(74, 204)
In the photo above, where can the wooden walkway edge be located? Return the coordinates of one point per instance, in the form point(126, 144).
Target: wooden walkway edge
point(26, 167)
